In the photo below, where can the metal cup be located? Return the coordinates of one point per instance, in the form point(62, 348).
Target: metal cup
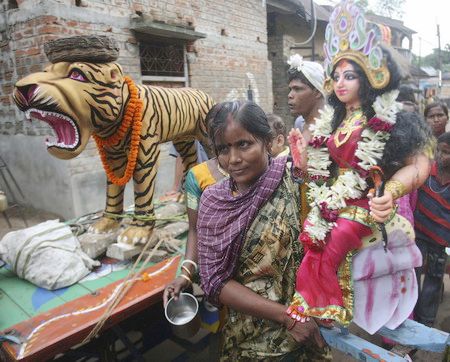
point(183, 315)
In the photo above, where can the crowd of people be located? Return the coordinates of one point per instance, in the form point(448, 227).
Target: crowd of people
point(285, 239)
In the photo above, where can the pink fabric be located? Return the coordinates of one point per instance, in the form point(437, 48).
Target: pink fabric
point(317, 280)
point(407, 205)
point(385, 285)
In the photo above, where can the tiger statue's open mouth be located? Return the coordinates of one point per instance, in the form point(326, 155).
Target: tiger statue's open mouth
point(66, 132)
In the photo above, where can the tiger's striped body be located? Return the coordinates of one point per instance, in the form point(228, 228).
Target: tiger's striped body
point(79, 99)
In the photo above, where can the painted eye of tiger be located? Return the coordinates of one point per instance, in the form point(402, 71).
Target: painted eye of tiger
point(77, 75)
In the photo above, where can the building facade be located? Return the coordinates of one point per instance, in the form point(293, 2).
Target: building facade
point(231, 50)
point(219, 47)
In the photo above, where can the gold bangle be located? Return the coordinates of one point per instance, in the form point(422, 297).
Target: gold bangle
point(186, 270)
point(186, 277)
point(396, 188)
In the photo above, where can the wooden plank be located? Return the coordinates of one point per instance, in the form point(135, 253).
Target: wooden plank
point(6, 273)
point(411, 333)
point(20, 290)
point(48, 301)
point(10, 311)
point(75, 291)
point(61, 328)
point(357, 347)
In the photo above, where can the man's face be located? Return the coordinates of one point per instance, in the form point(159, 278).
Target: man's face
point(301, 98)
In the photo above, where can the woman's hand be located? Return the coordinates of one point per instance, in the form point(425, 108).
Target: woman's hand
point(381, 207)
point(174, 289)
point(298, 145)
point(305, 332)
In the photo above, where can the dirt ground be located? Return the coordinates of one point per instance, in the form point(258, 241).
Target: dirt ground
point(168, 351)
point(20, 216)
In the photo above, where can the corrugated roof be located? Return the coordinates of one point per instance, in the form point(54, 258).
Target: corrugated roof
point(430, 71)
point(298, 6)
point(392, 23)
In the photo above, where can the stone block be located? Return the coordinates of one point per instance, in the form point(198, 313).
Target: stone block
point(95, 245)
point(123, 251)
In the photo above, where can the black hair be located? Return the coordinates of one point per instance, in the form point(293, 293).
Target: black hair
point(444, 138)
point(248, 114)
point(435, 104)
point(367, 94)
point(406, 94)
point(410, 135)
point(295, 74)
point(277, 124)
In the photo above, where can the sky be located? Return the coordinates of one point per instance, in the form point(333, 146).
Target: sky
point(422, 17)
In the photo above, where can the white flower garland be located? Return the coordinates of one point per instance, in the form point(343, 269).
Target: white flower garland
point(349, 185)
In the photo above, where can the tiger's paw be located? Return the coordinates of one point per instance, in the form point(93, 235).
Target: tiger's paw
point(134, 235)
point(104, 226)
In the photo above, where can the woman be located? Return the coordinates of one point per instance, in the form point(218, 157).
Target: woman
point(197, 180)
point(363, 130)
point(436, 114)
point(247, 242)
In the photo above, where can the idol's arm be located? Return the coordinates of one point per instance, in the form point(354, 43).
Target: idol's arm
point(407, 179)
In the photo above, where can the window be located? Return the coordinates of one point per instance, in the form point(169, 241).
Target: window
point(163, 64)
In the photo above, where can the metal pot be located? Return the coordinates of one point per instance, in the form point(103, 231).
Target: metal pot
point(183, 315)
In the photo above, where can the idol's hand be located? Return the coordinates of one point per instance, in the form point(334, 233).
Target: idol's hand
point(381, 207)
point(298, 144)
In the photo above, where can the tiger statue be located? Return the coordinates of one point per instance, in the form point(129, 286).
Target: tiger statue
point(79, 99)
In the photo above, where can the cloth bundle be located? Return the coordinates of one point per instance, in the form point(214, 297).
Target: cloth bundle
point(47, 255)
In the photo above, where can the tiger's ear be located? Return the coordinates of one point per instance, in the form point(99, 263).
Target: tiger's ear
point(113, 73)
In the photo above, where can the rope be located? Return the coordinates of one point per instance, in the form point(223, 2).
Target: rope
point(124, 288)
point(179, 217)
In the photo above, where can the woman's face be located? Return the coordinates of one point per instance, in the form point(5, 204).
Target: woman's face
point(437, 120)
point(346, 84)
point(243, 156)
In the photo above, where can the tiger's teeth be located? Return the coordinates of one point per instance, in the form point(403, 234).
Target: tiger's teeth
point(54, 142)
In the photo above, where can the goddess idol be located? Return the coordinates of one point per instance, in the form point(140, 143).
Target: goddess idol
point(348, 272)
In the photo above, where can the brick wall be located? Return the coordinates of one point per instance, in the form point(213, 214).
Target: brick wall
point(279, 48)
point(287, 32)
point(232, 57)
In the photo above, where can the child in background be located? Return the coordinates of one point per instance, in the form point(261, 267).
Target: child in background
point(432, 226)
point(278, 127)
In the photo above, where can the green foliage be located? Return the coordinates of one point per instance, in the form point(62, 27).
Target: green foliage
point(433, 58)
point(390, 8)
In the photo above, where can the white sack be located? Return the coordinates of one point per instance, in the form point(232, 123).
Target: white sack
point(47, 255)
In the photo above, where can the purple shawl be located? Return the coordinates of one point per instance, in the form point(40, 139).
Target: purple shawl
point(223, 221)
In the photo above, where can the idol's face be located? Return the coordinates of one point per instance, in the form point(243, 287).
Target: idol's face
point(346, 84)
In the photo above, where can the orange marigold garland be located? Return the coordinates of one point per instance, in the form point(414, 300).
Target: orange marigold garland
point(132, 116)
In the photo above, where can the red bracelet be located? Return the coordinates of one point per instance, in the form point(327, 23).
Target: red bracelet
point(294, 321)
